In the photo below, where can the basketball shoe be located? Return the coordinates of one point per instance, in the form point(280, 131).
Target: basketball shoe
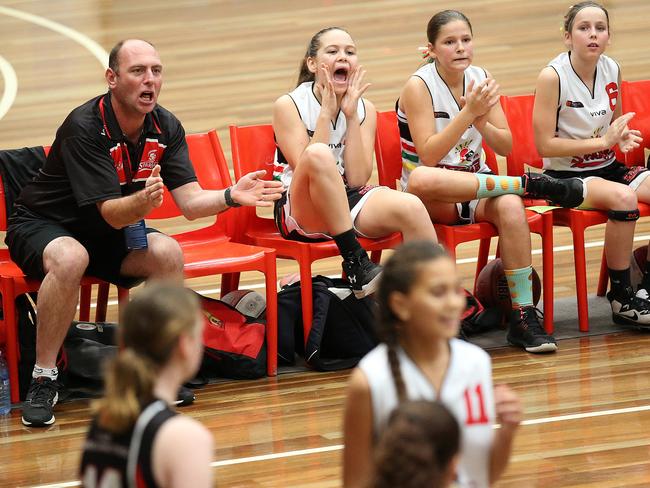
point(38, 409)
point(630, 309)
point(566, 192)
point(362, 274)
point(526, 332)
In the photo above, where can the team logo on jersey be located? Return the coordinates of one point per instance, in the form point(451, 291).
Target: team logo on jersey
point(612, 92)
point(572, 104)
point(440, 115)
point(466, 156)
point(594, 159)
point(151, 156)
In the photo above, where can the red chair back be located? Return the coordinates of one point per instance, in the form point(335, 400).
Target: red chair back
point(388, 150)
point(210, 167)
point(253, 149)
point(212, 172)
point(635, 98)
point(519, 113)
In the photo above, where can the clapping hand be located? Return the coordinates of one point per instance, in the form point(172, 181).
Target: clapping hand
point(355, 91)
point(153, 188)
point(252, 190)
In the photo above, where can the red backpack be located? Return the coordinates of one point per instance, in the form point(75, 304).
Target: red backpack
point(235, 345)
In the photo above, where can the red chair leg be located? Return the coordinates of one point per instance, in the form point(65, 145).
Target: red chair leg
point(122, 296)
point(271, 315)
point(102, 302)
point(84, 303)
point(483, 254)
point(581, 277)
point(11, 347)
point(229, 282)
point(547, 269)
point(603, 277)
point(375, 256)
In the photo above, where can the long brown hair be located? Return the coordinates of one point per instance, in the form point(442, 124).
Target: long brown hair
point(150, 327)
point(312, 48)
point(417, 446)
point(399, 275)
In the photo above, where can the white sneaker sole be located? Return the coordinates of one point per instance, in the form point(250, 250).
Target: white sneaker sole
point(369, 288)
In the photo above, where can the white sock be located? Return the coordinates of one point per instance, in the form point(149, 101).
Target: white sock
point(51, 373)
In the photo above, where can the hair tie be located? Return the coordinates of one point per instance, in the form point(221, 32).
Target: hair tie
point(426, 54)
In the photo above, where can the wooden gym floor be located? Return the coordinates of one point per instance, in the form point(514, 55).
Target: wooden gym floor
point(586, 407)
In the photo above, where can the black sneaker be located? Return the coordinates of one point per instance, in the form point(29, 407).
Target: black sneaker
point(565, 192)
point(184, 397)
point(362, 274)
point(526, 332)
point(38, 408)
point(631, 309)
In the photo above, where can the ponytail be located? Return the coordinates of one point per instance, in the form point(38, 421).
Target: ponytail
point(129, 384)
point(400, 273)
point(151, 326)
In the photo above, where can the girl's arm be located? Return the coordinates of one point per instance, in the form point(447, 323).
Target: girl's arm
point(357, 432)
point(431, 146)
point(544, 122)
point(181, 454)
point(493, 126)
point(359, 146)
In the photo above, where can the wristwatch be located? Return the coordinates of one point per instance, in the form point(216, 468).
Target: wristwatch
point(228, 198)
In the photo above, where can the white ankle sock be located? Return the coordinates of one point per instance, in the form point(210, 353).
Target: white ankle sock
point(51, 373)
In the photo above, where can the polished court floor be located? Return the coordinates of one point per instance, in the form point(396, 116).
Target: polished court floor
point(586, 408)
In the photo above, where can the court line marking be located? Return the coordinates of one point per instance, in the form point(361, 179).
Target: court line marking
point(95, 49)
point(11, 86)
point(556, 249)
point(338, 447)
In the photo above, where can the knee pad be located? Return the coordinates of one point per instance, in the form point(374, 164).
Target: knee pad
point(624, 215)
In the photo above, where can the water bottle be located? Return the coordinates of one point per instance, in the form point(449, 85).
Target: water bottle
point(5, 391)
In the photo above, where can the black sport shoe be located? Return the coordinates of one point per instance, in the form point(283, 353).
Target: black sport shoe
point(526, 332)
point(184, 397)
point(38, 408)
point(631, 309)
point(362, 274)
point(565, 192)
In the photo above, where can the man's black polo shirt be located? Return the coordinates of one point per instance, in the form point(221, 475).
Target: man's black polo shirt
point(81, 169)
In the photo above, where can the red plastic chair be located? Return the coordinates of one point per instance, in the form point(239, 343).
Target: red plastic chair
point(389, 163)
point(14, 283)
point(519, 112)
point(634, 98)
point(253, 148)
point(209, 250)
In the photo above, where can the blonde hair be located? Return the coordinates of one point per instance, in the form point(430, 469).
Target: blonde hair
point(149, 331)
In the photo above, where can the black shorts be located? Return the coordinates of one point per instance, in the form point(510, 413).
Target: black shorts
point(290, 229)
point(617, 172)
point(28, 235)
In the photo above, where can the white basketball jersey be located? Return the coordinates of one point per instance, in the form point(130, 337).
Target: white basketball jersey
point(309, 109)
point(466, 391)
point(584, 112)
point(467, 153)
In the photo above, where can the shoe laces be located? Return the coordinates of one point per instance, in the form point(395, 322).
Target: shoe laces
point(43, 391)
point(531, 317)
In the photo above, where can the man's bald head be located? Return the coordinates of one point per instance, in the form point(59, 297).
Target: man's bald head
point(114, 56)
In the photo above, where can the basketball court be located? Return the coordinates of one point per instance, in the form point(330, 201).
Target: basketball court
point(586, 408)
